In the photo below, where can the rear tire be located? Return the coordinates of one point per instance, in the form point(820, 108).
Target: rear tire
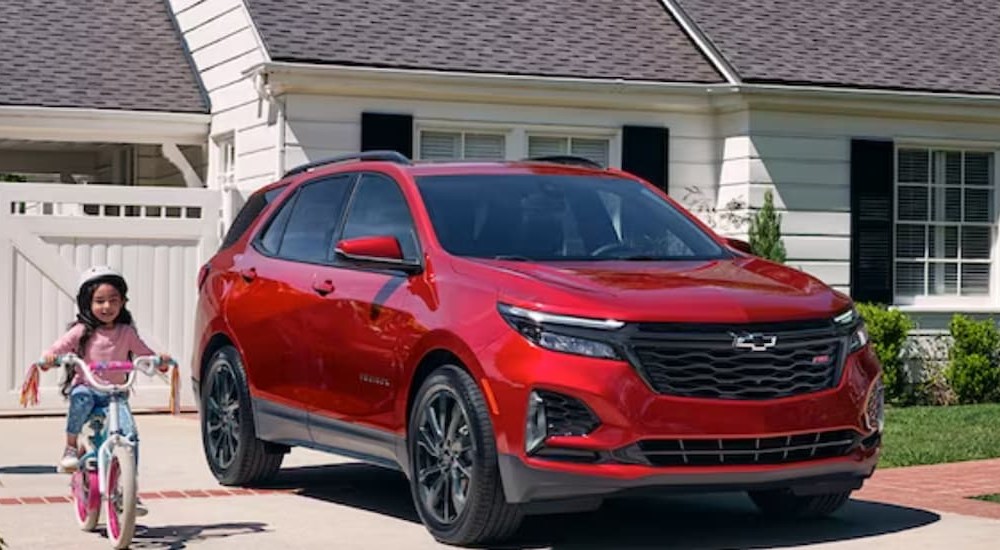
point(463, 504)
point(784, 504)
point(229, 438)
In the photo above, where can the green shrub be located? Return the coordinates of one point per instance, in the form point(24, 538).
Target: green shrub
point(887, 330)
point(974, 369)
point(765, 232)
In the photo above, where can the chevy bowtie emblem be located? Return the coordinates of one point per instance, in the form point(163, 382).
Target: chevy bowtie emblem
point(754, 342)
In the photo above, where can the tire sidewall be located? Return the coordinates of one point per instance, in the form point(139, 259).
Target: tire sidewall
point(450, 378)
point(229, 355)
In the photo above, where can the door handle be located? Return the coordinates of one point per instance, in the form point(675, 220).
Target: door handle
point(323, 287)
point(248, 274)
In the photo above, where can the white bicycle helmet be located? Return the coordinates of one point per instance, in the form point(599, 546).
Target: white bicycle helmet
point(98, 272)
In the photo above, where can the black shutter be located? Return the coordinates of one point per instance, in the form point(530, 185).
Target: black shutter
point(872, 204)
point(645, 153)
point(387, 132)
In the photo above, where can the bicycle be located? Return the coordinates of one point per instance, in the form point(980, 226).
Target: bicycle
point(107, 470)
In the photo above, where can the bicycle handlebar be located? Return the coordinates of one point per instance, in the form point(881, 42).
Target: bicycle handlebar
point(146, 364)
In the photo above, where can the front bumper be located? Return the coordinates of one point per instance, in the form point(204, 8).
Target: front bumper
point(525, 482)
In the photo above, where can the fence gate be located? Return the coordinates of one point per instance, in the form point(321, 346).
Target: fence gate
point(158, 238)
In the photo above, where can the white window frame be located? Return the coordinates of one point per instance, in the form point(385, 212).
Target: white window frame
point(951, 302)
point(224, 160)
point(516, 135)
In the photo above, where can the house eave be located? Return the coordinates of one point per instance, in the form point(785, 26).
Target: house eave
point(280, 78)
point(102, 125)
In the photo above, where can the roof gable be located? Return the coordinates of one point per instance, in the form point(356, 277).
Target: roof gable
point(928, 45)
point(112, 54)
point(628, 39)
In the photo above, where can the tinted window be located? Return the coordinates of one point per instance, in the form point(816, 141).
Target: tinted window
point(270, 241)
point(253, 207)
point(543, 217)
point(308, 235)
point(378, 209)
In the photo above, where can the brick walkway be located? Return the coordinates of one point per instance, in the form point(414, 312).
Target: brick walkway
point(942, 487)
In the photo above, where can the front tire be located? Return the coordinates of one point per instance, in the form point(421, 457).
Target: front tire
point(784, 504)
point(229, 438)
point(121, 497)
point(454, 477)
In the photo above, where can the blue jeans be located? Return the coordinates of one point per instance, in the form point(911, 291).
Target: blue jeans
point(83, 400)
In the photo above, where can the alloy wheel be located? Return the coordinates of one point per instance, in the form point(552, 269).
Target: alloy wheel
point(222, 421)
point(444, 457)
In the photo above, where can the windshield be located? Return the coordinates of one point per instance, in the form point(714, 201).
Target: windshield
point(534, 217)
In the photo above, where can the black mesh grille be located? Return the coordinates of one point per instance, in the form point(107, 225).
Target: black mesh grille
point(566, 415)
point(766, 450)
point(702, 361)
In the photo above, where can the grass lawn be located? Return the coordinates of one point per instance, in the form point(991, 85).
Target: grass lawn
point(991, 498)
point(932, 435)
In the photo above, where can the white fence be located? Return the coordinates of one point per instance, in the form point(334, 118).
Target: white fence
point(158, 237)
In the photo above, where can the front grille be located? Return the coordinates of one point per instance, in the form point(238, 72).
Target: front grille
point(566, 415)
point(740, 452)
point(702, 361)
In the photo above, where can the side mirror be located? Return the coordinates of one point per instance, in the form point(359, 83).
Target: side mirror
point(382, 251)
point(740, 245)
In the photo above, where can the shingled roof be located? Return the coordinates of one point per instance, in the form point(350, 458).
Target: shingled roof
point(929, 45)
point(629, 39)
point(112, 54)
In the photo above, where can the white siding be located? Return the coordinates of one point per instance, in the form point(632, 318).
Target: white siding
point(319, 126)
point(223, 45)
point(805, 160)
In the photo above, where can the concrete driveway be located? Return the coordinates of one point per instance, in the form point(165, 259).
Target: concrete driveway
point(322, 501)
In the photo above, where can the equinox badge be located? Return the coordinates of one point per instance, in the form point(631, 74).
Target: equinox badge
point(754, 342)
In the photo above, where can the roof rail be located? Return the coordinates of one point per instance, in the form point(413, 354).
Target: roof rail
point(571, 160)
point(388, 156)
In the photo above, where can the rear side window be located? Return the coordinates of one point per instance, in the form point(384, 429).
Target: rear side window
point(312, 220)
point(253, 207)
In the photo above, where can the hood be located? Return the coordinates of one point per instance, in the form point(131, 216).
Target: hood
point(738, 290)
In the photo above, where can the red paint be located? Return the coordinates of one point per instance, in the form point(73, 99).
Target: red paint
point(350, 352)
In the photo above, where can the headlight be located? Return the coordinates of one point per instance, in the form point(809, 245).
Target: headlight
point(541, 328)
point(851, 322)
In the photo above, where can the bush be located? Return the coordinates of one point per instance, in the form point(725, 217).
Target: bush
point(888, 330)
point(974, 370)
point(765, 232)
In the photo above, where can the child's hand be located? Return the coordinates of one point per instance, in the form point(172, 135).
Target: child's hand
point(165, 362)
point(48, 362)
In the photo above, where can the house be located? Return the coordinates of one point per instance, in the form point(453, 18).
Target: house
point(876, 124)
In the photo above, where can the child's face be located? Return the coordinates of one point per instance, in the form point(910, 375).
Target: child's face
point(107, 303)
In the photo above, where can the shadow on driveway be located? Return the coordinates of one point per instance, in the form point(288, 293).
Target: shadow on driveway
point(176, 537)
point(690, 521)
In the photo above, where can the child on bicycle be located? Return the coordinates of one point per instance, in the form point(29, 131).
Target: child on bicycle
point(103, 332)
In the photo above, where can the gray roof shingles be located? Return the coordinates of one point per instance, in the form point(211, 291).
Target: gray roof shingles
point(928, 45)
point(628, 39)
point(111, 54)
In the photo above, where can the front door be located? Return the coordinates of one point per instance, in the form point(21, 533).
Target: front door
point(372, 329)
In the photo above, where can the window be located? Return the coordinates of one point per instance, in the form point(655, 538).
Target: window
point(944, 223)
point(226, 151)
point(461, 145)
point(308, 234)
point(257, 203)
point(379, 209)
point(595, 149)
point(559, 218)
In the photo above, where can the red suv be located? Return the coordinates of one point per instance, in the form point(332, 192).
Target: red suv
point(524, 338)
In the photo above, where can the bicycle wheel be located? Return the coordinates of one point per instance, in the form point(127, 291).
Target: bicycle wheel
point(86, 499)
point(121, 497)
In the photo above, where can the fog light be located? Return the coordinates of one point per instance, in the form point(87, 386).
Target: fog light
point(536, 426)
point(875, 407)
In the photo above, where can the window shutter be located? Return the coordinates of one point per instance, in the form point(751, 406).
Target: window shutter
point(387, 132)
point(542, 146)
point(872, 182)
point(591, 149)
point(440, 146)
point(485, 147)
point(645, 153)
